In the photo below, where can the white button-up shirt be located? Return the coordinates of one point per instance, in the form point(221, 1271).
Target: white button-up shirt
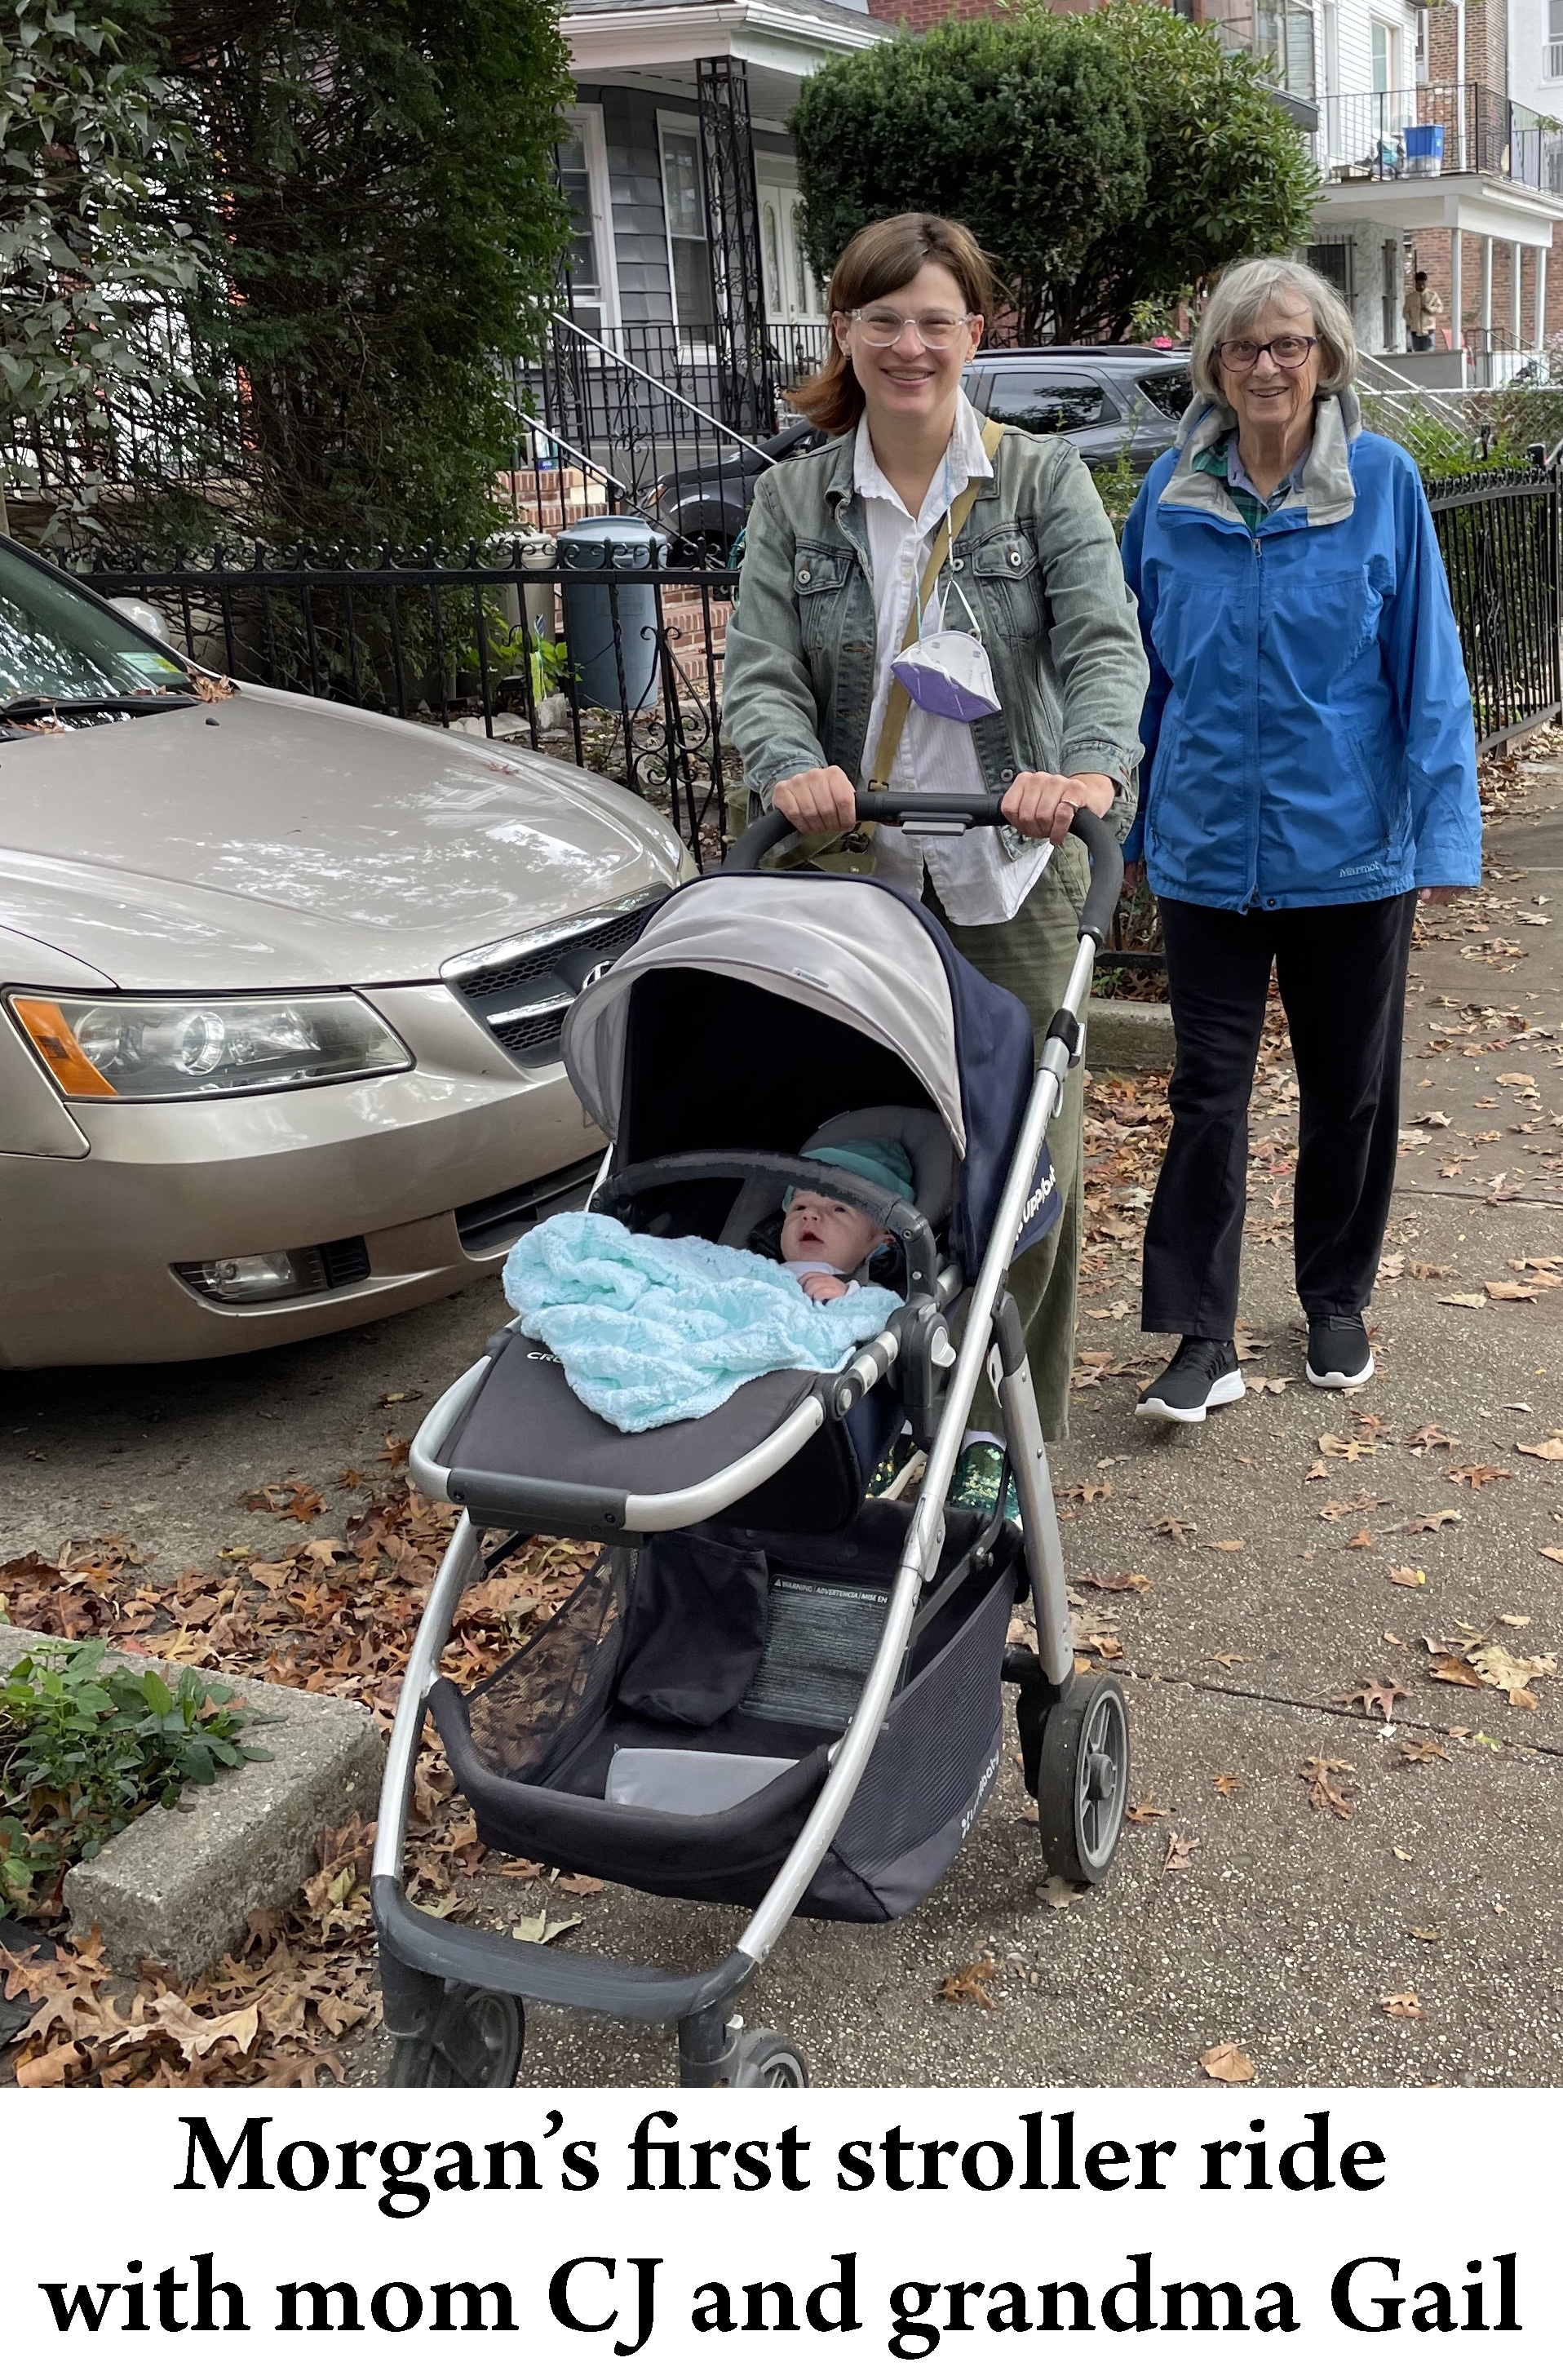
point(975, 883)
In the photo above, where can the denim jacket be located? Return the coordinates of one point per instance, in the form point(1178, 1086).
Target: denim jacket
point(1041, 573)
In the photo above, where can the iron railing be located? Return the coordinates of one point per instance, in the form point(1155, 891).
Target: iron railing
point(476, 645)
point(1501, 537)
point(1374, 136)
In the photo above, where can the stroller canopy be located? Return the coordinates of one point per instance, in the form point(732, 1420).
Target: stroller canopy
point(852, 951)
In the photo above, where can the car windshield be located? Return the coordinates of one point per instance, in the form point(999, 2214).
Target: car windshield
point(1169, 392)
point(56, 644)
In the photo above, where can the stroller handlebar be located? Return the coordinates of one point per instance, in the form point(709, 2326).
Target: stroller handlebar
point(952, 814)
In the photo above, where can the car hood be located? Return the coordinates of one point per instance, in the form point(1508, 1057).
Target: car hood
point(295, 842)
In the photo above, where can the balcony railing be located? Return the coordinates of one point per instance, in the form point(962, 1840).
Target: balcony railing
point(1371, 136)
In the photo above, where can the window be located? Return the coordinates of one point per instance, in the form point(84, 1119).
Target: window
point(1383, 37)
point(683, 207)
point(1037, 401)
point(1170, 392)
point(581, 169)
point(1332, 257)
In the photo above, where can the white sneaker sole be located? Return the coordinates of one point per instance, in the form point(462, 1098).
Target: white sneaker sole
point(1339, 1379)
point(1225, 1392)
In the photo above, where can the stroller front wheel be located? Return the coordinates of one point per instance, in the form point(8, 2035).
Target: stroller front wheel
point(767, 2062)
point(472, 2042)
point(1083, 1778)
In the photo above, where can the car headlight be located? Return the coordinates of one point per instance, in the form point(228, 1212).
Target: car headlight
point(161, 1048)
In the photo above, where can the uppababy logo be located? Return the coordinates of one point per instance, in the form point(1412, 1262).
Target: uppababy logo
point(1039, 1198)
point(968, 1816)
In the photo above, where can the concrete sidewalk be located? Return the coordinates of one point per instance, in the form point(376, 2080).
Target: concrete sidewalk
point(1280, 1924)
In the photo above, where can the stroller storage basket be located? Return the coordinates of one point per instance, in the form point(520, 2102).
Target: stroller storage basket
point(740, 1646)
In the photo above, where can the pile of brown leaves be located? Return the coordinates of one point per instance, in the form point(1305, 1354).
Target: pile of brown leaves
point(268, 2015)
point(332, 1615)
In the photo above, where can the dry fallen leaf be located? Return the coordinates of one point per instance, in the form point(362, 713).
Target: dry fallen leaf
point(1462, 1297)
point(1180, 1851)
point(1419, 1271)
point(1109, 1647)
point(1226, 1545)
point(1429, 1524)
point(1229, 1660)
point(1087, 1491)
point(1226, 2063)
point(580, 1885)
point(1513, 1293)
point(1059, 1893)
point(969, 1983)
point(540, 1927)
point(1550, 1449)
point(1478, 1475)
point(1225, 1786)
point(1167, 1527)
point(1315, 1471)
point(1403, 1577)
point(1144, 1812)
point(1512, 1673)
point(1361, 1542)
point(1345, 1450)
point(1523, 1619)
point(1380, 1693)
point(1547, 1553)
point(1319, 1775)
point(1453, 1670)
point(1419, 1749)
point(1402, 2004)
point(1425, 1932)
point(1118, 1582)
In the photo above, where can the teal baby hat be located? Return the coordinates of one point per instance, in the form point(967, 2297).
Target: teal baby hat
point(883, 1162)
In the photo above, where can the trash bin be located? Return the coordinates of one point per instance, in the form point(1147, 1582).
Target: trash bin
point(1425, 148)
point(618, 541)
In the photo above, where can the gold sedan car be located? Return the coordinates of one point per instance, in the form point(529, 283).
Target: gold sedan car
point(281, 988)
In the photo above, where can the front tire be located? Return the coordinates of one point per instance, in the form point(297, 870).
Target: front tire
point(1083, 1778)
point(473, 2042)
point(767, 2062)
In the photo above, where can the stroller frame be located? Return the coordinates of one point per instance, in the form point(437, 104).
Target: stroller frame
point(434, 1973)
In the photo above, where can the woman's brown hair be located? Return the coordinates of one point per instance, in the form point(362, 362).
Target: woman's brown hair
point(879, 259)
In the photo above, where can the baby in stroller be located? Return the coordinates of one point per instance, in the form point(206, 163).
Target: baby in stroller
point(825, 1242)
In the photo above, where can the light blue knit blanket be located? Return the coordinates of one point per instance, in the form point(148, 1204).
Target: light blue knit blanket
point(651, 1330)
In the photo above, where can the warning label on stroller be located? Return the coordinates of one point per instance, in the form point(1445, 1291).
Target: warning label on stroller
point(820, 1641)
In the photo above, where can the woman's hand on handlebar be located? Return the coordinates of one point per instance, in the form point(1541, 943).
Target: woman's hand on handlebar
point(1041, 807)
point(821, 801)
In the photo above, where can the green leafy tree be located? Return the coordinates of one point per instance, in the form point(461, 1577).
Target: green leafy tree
point(98, 256)
point(382, 181)
point(1228, 173)
point(1110, 163)
point(1027, 132)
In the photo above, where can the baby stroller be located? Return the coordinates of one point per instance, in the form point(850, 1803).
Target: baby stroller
point(770, 1691)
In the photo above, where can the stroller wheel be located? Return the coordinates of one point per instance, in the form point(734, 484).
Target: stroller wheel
point(766, 2062)
point(1083, 1778)
point(473, 2043)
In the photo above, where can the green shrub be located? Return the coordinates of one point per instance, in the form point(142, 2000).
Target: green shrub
point(81, 1755)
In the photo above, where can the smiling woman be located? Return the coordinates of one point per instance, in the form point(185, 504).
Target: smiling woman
point(934, 602)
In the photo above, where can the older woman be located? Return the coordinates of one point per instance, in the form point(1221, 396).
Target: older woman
point(1309, 765)
point(842, 562)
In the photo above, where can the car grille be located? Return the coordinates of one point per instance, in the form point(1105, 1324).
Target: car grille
point(519, 990)
point(491, 1223)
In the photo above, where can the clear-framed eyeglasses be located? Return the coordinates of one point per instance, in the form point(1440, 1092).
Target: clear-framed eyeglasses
point(882, 326)
point(1291, 351)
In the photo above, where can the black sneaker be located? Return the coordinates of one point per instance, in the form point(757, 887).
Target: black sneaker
point(1339, 1354)
point(1203, 1373)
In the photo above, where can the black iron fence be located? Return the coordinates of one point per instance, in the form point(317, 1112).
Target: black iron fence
point(615, 666)
point(1501, 536)
point(618, 666)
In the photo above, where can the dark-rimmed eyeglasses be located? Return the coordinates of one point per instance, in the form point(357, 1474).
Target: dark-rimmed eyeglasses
point(1290, 351)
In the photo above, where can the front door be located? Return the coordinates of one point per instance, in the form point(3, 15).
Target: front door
point(794, 306)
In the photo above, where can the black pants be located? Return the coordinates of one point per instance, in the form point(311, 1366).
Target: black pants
point(1342, 976)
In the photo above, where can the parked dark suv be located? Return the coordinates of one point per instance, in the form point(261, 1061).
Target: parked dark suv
point(1107, 401)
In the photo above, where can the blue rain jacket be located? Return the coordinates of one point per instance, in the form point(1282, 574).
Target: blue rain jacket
point(1308, 732)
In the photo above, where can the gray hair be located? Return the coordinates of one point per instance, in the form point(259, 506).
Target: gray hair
point(1245, 291)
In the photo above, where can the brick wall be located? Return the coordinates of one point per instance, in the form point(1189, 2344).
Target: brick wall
point(1486, 43)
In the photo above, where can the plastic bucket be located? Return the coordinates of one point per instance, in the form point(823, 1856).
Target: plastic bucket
point(1425, 148)
point(617, 541)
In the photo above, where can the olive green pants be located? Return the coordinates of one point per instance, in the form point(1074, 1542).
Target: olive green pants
point(1031, 956)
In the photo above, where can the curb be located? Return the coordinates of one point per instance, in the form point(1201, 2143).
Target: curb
point(1128, 1033)
point(178, 1885)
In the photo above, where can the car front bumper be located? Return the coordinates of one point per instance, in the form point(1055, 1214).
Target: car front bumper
point(415, 1164)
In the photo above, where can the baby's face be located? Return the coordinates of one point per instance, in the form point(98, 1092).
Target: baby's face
point(827, 1231)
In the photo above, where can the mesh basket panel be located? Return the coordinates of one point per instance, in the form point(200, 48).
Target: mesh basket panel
point(519, 1715)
